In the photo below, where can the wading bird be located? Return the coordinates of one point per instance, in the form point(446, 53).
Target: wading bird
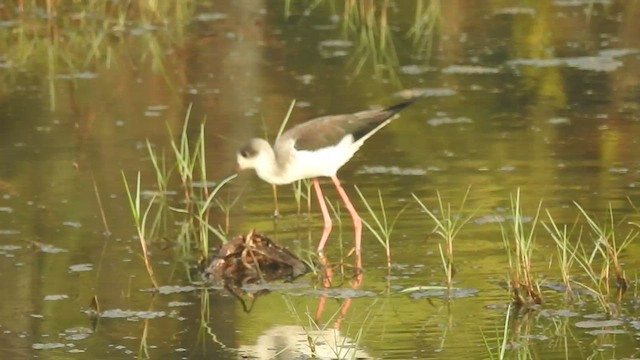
point(318, 147)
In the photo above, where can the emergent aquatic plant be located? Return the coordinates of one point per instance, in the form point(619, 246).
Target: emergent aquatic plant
point(140, 220)
point(565, 250)
point(448, 225)
point(383, 228)
point(519, 245)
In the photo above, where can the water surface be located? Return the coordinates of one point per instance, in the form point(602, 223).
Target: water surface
point(541, 96)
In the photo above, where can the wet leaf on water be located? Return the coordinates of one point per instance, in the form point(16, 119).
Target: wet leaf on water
point(469, 70)
point(618, 52)
point(334, 48)
point(346, 293)
point(73, 224)
point(618, 170)
point(445, 120)
point(570, 3)
point(416, 69)
point(558, 121)
point(212, 16)
point(76, 333)
point(336, 43)
point(605, 61)
point(558, 313)
point(47, 346)
point(536, 62)
point(152, 113)
point(394, 170)
point(492, 218)
point(47, 248)
point(274, 286)
point(131, 314)
point(81, 267)
point(422, 288)
point(175, 289)
point(157, 107)
point(605, 332)
point(457, 293)
point(82, 76)
point(594, 63)
point(489, 219)
point(516, 11)
point(424, 92)
point(590, 324)
point(178, 303)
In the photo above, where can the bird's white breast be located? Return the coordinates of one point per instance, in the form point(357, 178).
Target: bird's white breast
point(303, 164)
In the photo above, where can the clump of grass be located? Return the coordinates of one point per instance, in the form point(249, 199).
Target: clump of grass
point(566, 252)
point(597, 260)
point(69, 37)
point(368, 22)
point(608, 246)
point(191, 166)
point(447, 226)
point(519, 245)
point(185, 160)
point(383, 228)
point(199, 197)
point(140, 220)
point(606, 253)
point(425, 25)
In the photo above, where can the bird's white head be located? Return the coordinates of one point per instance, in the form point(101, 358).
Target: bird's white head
point(254, 154)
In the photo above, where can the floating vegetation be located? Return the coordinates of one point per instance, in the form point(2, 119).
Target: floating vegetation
point(515, 11)
point(425, 92)
point(469, 70)
point(393, 170)
point(445, 120)
point(253, 258)
point(132, 315)
point(605, 61)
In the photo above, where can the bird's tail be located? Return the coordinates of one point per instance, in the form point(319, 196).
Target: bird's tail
point(377, 120)
point(399, 107)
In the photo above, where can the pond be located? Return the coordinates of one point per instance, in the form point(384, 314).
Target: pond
point(522, 151)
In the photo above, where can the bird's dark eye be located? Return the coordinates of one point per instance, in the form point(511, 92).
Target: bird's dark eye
point(247, 151)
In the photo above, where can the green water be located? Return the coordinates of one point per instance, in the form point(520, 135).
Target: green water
point(543, 96)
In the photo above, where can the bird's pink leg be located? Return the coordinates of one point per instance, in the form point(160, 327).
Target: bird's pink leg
point(357, 222)
point(326, 230)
